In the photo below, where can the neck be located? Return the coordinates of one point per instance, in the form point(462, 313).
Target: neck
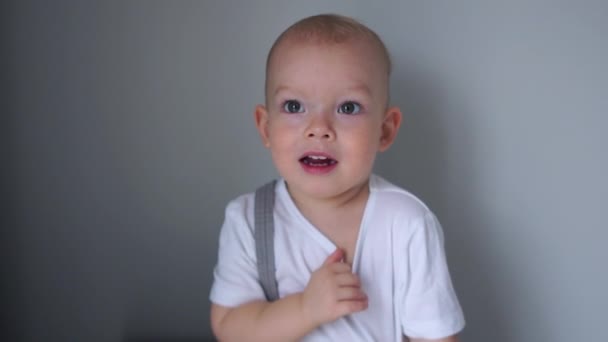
point(310, 206)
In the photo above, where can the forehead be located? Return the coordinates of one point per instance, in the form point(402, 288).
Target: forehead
point(355, 63)
point(361, 44)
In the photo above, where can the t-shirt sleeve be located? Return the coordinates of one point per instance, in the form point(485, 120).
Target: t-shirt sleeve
point(235, 275)
point(429, 306)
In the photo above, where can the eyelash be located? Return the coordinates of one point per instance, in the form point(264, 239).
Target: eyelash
point(291, 102)
point(356, 111)
point(300, 109)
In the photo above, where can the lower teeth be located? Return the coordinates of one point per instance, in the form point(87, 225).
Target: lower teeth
point(314, 162)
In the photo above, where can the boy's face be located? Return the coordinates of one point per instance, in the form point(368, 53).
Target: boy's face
point(325, 116)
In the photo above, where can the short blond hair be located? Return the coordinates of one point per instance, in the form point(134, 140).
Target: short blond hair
point(330, 29)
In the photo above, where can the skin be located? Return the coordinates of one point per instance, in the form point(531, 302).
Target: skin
point(320, 99)
point(353, 140)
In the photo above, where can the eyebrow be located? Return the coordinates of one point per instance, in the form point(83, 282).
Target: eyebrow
point(280, 89)
point(359, 87)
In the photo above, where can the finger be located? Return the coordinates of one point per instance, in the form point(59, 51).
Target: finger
point(348, 307)
point(350, 293)
point(348, 279)
point(340, 267)
point(334, 257)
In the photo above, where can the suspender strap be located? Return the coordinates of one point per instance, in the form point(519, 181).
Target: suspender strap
point(264, 240)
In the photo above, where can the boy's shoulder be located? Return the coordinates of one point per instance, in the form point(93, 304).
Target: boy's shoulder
point(240, 210)
point(396, 199)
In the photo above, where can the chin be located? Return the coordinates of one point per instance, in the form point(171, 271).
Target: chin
point(326, 190)
point(316, 188)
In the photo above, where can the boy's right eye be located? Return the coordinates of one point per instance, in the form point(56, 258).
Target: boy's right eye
point(293, 106)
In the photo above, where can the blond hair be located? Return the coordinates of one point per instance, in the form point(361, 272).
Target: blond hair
point(330, 29)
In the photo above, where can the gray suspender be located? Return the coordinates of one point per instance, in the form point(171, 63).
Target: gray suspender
point(264, 239)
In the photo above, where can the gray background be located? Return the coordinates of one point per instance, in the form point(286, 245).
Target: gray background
point(127, 126)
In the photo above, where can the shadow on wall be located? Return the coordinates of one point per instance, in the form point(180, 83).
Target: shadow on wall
point(168, 339)
point(11, 297)
point(434, 159)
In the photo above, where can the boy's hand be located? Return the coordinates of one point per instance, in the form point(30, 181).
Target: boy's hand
point(333, 291)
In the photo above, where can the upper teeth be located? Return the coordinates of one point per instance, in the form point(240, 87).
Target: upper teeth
point(317, 157)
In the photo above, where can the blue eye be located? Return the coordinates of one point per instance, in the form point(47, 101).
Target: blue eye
point(293, 106)
point(349, 108)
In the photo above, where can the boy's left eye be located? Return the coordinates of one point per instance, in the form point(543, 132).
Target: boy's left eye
point(349, 108)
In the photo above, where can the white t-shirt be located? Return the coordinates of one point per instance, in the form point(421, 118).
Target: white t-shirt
point(399, 259)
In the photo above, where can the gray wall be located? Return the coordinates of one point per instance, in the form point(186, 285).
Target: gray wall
point(128, 126)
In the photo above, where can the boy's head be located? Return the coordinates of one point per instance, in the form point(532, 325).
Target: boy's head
point(326, 113)
point(329, 30)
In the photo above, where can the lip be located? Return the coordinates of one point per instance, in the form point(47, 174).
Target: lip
point(316, 153)
point(317, 169)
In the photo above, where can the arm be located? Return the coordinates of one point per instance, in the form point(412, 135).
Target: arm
point(332, 292)
point(453, 338)
point(430, 307)
point(282, 320)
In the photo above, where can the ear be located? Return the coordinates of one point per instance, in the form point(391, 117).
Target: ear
point(390, 127)
point(261, 123)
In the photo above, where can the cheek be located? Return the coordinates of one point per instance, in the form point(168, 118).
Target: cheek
point(282, 139)
point(275, 129)
point(365, 136)
point(281, 124)
point(363, 147)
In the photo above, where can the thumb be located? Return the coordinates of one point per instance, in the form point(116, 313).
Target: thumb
point(334, 257)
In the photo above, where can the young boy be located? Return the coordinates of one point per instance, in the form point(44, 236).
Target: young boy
point(357, 258)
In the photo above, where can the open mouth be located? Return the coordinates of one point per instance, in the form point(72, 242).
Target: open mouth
point(317, 161)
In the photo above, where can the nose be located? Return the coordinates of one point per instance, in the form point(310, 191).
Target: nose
point(320, 127)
